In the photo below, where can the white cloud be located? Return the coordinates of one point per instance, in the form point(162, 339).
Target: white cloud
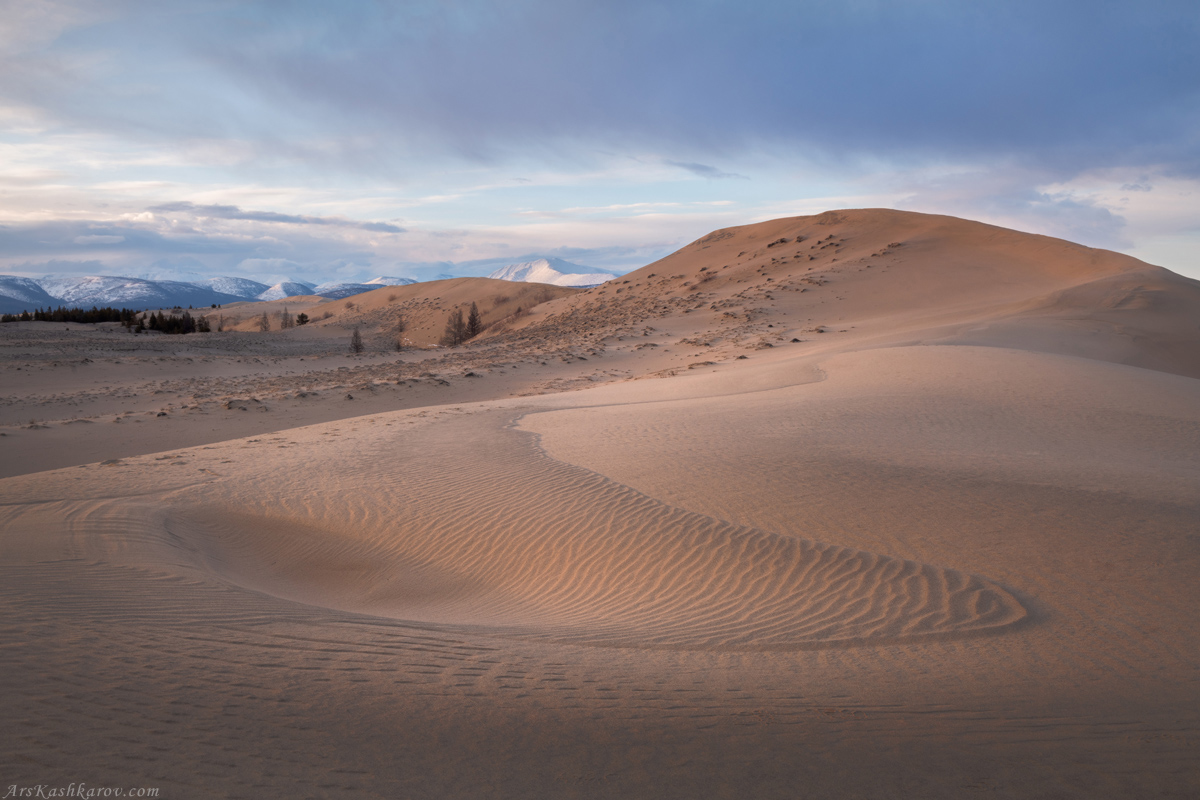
point(99, 239)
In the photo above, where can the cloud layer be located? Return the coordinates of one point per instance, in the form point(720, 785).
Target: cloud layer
point(430, 131)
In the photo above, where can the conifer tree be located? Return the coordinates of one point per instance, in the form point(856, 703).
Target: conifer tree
point(264, 323)
point(356, 342)
point(474, 322)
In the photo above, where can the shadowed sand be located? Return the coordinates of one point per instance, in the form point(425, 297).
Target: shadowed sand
point(942, 545)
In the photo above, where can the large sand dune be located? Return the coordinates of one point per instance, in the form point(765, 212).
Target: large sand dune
point(935, 536)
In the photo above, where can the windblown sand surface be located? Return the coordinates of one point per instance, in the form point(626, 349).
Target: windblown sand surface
point(935, 535)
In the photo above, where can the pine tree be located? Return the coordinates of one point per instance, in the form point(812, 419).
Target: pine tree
point(474, 322)
point(285, 319)
point(356, 342)
point(302, 318)
point(264, 323)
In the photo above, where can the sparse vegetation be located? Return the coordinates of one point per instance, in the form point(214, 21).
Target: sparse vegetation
point(401, 326)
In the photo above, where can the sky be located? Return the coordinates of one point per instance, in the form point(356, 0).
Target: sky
point(322, 141)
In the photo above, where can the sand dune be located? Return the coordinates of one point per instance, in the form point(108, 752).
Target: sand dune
point(894, 505)
point(514, 541)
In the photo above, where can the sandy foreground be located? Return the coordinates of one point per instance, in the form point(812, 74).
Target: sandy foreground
point(899, 506)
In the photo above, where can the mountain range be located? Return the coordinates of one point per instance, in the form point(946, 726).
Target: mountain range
point(26, 294)
point(19, 294)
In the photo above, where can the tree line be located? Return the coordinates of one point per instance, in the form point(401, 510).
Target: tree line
point(170, 323)
point(135, 321)
point(63, 314)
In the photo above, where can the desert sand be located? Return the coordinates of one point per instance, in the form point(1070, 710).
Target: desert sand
point(866, 504)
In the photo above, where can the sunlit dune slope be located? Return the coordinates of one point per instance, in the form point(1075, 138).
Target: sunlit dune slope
point(887, 277)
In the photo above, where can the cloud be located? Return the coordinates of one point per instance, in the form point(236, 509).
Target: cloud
point(98, 239)
point(705, 171)
point(233, 212)
point(1062, 82)
point(336, 117)
point(57, 267)
point(1020, 199)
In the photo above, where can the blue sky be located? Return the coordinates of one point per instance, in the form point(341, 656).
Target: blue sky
point(325, 141)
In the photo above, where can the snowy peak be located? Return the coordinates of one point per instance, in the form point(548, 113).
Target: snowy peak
point(286, 289)
point(238, 287)
point(21, 294)
point(554, 271)
point(385, 280)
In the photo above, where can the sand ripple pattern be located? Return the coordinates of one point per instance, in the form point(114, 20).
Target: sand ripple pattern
point(469, 523)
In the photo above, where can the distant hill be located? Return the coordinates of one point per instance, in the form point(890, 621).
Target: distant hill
point(21, 294)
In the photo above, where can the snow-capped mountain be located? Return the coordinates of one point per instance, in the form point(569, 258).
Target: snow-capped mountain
point(26, 294)
point(552, 270)
point(286, 289)
point(338, 290)
point(21, 294)
point(238, 287)
point(106, 290)
point(384, 280)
